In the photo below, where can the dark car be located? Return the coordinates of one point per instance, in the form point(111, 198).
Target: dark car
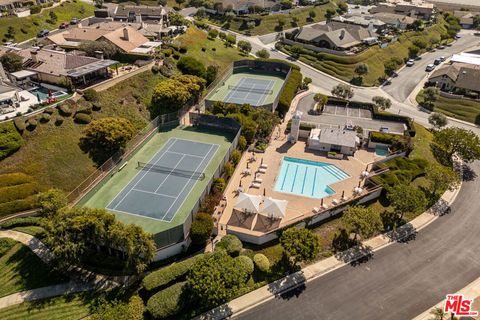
point(63, 25)
point(437, 61)
point(43, 33)
point(74, 21)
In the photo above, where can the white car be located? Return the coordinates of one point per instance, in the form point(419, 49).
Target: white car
point(430, 67)
point(410, 62)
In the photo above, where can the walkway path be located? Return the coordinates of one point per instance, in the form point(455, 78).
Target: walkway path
point(82, 279)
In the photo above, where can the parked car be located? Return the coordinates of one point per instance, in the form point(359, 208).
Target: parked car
point(63, 25)
point(441, 47)
point(443, 58)
point(410, 62)
point(430, 67)
point(457, 36)
point(384, 129)
point(43, 33)
point(476, 34)
point(437, 61)
point(74, 21)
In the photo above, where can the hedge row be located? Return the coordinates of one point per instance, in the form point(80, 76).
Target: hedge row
point(10, 139)
point(166, 303)
point(169, 274)
point(387, 138)
point(289, 91)
point(17, 206)
point(21, 222)
point(12, 179)
point(303, 126)
point(20, 191)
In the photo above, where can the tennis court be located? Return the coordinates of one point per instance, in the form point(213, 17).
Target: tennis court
point(250, 90)
point(162, 184)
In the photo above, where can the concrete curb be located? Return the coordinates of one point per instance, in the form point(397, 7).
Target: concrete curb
point(319, 269)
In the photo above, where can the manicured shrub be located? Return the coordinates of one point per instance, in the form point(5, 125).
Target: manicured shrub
point(19, 191)
point(32, 123)
point(218, 185)
point(96, 106)
point(84, 109)
point(17, 206)
point(50, 110)
point(35, 9)
point(65, 110)
point(21, 222)
point(231, 244)
point(165, 276)
point(261, 262)
point(245, 263)
point(235, 157)
point(166, 303)
point(82, 118)
point(44, 118)
point(293, 82)
point(12, 179)
point(10, 139)
point(19, 124)
point(91, 95)
point(242, 143)
point(201, 228)
point(189, 65)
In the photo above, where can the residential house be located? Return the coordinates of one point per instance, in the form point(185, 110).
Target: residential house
point(417, 9)
point(241, 7)
point(334, 140)
point(126, 38)
point(335, 35)
point(394, 20)
point(461, 76)
point(466, 18)
point(64, 69)
point(153, 14)
point(363, 21)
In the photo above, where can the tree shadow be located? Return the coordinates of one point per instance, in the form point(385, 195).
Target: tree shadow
point(440, 208)
point(98, 154)
point(284, 147)
point(288, 287)
point(468, 173)
point(350, 250)
point(403, 234)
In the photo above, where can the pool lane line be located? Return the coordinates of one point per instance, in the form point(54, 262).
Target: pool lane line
point(294, 179)
point(304, 178)
point(314, 180)
point(285, 176)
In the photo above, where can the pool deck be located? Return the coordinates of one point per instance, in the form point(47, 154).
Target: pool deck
point(299, 207)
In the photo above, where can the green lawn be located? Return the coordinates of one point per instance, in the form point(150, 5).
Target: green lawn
point(28, 27)
point(59, 308)
point(269, 23)
point(216, 53)
point(21, 269)
point(421, 145)
point(35, 231)
point(343, 67)
point(466, 110)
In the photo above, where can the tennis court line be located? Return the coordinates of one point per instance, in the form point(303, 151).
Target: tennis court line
point(232, 92)
point(263, 97)
point(186, 154)
point(170, 173)
point(144, 174)
point(185, 198)
point(158, 194)
point(137, 215)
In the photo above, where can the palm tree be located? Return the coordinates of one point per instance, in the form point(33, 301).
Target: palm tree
point(438, 314)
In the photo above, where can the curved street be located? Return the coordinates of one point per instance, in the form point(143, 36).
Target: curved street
point(401, 280)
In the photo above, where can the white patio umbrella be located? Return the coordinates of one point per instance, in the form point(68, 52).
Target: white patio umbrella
point(274, 208)
point(248, 203)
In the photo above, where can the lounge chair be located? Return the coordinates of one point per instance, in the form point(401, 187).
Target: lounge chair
point(255, 185)
point(262, 170)
point(315, 210)
point(259, 180)
point(325, 206)
point(264, 165)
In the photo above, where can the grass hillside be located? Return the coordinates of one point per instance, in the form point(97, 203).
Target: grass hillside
point(343, 67)
point(28, 27)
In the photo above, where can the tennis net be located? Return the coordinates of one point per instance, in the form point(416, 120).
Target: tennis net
point(246, 89)
point(172, 171)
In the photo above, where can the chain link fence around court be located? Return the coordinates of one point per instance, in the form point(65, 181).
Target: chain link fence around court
point(164, 121)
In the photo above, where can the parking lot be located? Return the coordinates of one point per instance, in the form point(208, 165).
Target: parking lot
point(353, 112)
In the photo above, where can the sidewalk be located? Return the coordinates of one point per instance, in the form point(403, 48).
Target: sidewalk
point(314, 271)
point(30, 241)
point(472, 291)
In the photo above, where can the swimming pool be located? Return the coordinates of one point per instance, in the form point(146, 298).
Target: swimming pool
point(381, 151)
point(308, 178)
point(42, 93)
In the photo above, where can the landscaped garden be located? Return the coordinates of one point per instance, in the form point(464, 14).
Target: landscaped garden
point(378, 60)
point(17, 29)
point(259, 24)
point(462, 109)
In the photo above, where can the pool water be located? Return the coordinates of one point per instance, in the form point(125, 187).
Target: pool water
point(381, 151)
point(308, 178)
point(42, 93)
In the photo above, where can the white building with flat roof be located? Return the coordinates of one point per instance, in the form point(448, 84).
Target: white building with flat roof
point(335, 140)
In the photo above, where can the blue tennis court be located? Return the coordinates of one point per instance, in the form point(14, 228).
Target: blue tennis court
point(250, 90)
point(161, 186)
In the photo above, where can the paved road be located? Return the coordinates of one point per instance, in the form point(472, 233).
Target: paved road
point(409, 77)
point(400, 281)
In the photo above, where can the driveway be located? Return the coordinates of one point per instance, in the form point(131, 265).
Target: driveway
point(409, 77)
point(400, 281)
point(335, 116)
